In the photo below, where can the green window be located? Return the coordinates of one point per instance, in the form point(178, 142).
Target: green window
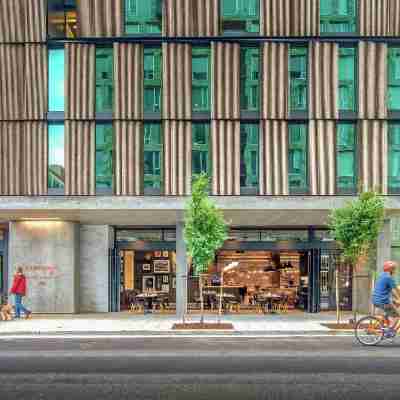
point(143, 16)
point(104, 156)
point(201, 79)
point(240, 16)
point(394, 156)
point(298, 66)
point(201, 149)
point(153, 151)
point(104, 79)
point(347, 79)
point(152, 80)
point(394, 78)
point(338, 16)
point(55, 169)
point(298, 158)
point(56, 80)
point(346, 157)
point(249, 155)
point(249, 79)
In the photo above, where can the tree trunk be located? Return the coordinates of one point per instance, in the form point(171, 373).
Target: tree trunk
point(337, 294)
point(355, 294)
point(201, 299)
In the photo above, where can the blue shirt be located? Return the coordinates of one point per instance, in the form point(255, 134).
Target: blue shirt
point(383, 289)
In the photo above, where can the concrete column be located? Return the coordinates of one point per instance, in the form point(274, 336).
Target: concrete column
point(384, 246)
point(181, 272)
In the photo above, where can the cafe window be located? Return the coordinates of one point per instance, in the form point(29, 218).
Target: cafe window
point(249, 157)
point(201, 149)
point(142, 17)
point(61, 19)
point(238, 16)
point(152, 79)
point(249, 79)
point(56, 79)
point(394, 157)
point(394, 78)
point(346, 157)
point(104, 79)
point(55, 168)
point(347, 79)
point(104, 156)
point(298, 76)
point(298, 158)
point(153, 158)
point(201, 79)
point(338, 16)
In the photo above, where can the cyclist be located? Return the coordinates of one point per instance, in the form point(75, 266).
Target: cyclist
point(382, 296)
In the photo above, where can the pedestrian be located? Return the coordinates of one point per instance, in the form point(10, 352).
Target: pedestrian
point(18, 289)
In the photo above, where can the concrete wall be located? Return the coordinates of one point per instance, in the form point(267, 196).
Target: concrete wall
point(48, 251)
point(95, 242)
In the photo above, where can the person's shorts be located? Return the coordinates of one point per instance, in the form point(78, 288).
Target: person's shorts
point(388, 309)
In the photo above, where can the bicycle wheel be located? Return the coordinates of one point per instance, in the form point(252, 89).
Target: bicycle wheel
point(369, 331)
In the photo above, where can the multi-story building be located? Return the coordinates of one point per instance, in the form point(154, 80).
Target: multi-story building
point(108, 108)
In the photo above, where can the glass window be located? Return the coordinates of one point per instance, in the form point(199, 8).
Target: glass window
point(240, 16)
point(201, 149)
point(347, 79)
point(298, 158)
point(104, 79)
point(394, 78)
point(338, 16)
point(62, 19)
point(104, 156)
point(56, 79)
point(346, 157)
point(298, 66)
point(153, 149)
point(201, 79)
point(55, 171)
point(152, 80)
point(143, 16)
point(249, 155)
point(394, 156)
point(249, 79)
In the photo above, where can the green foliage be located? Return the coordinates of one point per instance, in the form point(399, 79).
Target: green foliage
point(357, 225)
point(205, 227)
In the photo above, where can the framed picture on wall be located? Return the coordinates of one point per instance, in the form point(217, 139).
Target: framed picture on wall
point(149, 282)
point(161, 266)
point(165, 279)
point(165, 254)
point(146, 267)
point(165, 288)
point(157, 254)
point(173, 283)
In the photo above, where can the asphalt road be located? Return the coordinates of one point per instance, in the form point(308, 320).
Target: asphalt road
point(198, 368)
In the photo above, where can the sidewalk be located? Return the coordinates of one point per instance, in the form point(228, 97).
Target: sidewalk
point(153, 324)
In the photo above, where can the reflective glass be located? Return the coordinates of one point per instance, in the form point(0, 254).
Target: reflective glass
point(240, 16)
point(338, 16)
point(394, 156)
point(104, 156)
point(62, 19)
point(297, 157)
point(347, 79)
point(153, 149)
point(143, 16)
point(298, 78)
point(394, 78)
point(346, 157)
point(56, 80)
point(200, 149)
point(249, 79)
point(249, 155)
point(55, 170)
point(201, 79)
point(152, 80)
point(104, 79)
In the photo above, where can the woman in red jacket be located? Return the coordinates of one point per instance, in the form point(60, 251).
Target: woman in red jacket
point(18, 289)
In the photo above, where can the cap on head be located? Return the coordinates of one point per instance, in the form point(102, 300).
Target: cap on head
point(389, 266)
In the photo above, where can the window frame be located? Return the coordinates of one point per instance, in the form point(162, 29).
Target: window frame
point(254, 189)
point(153, 148)
point(247, 21)
point(105, 190)
point(328, 20)
point(247, 84)
point(196, 83)
point(299, 82)
point(153, 83)
point(143, 22)
point(67, 10)
point(395, 83)
point(54, 190)
point(355, 81)
point(201, 148)
point(392, 189)
point(58, 112)
point(99, 49)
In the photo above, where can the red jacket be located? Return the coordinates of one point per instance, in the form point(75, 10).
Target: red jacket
point(19, 285)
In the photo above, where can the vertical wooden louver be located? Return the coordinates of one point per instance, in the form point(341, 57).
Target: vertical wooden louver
point(12, 21)
point(274, 158)
point(80, 81)
point(35, 158)
point(35, 81)
point(393, 18)
point(177, 157)
point(35, 20)
point(225, 73)
point(225, 157)
point(80, 152)
point(323, 59)
point(289, 17)
point(12, 79)
point(100, 18)
point(128, 158)
point(372, 72)
point(373, 17)
point(128, 79)
point(275, 81)
point(373, 155)
point(11, 134)
point(321, 138)
point(177, 81)
point(205, 17)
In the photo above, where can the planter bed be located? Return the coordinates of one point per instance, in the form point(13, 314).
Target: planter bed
point(204, 326)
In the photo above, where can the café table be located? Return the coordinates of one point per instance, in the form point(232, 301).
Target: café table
point(148, 298)
point(266, 300)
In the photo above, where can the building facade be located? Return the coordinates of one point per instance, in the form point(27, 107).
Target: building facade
point(108, 108)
